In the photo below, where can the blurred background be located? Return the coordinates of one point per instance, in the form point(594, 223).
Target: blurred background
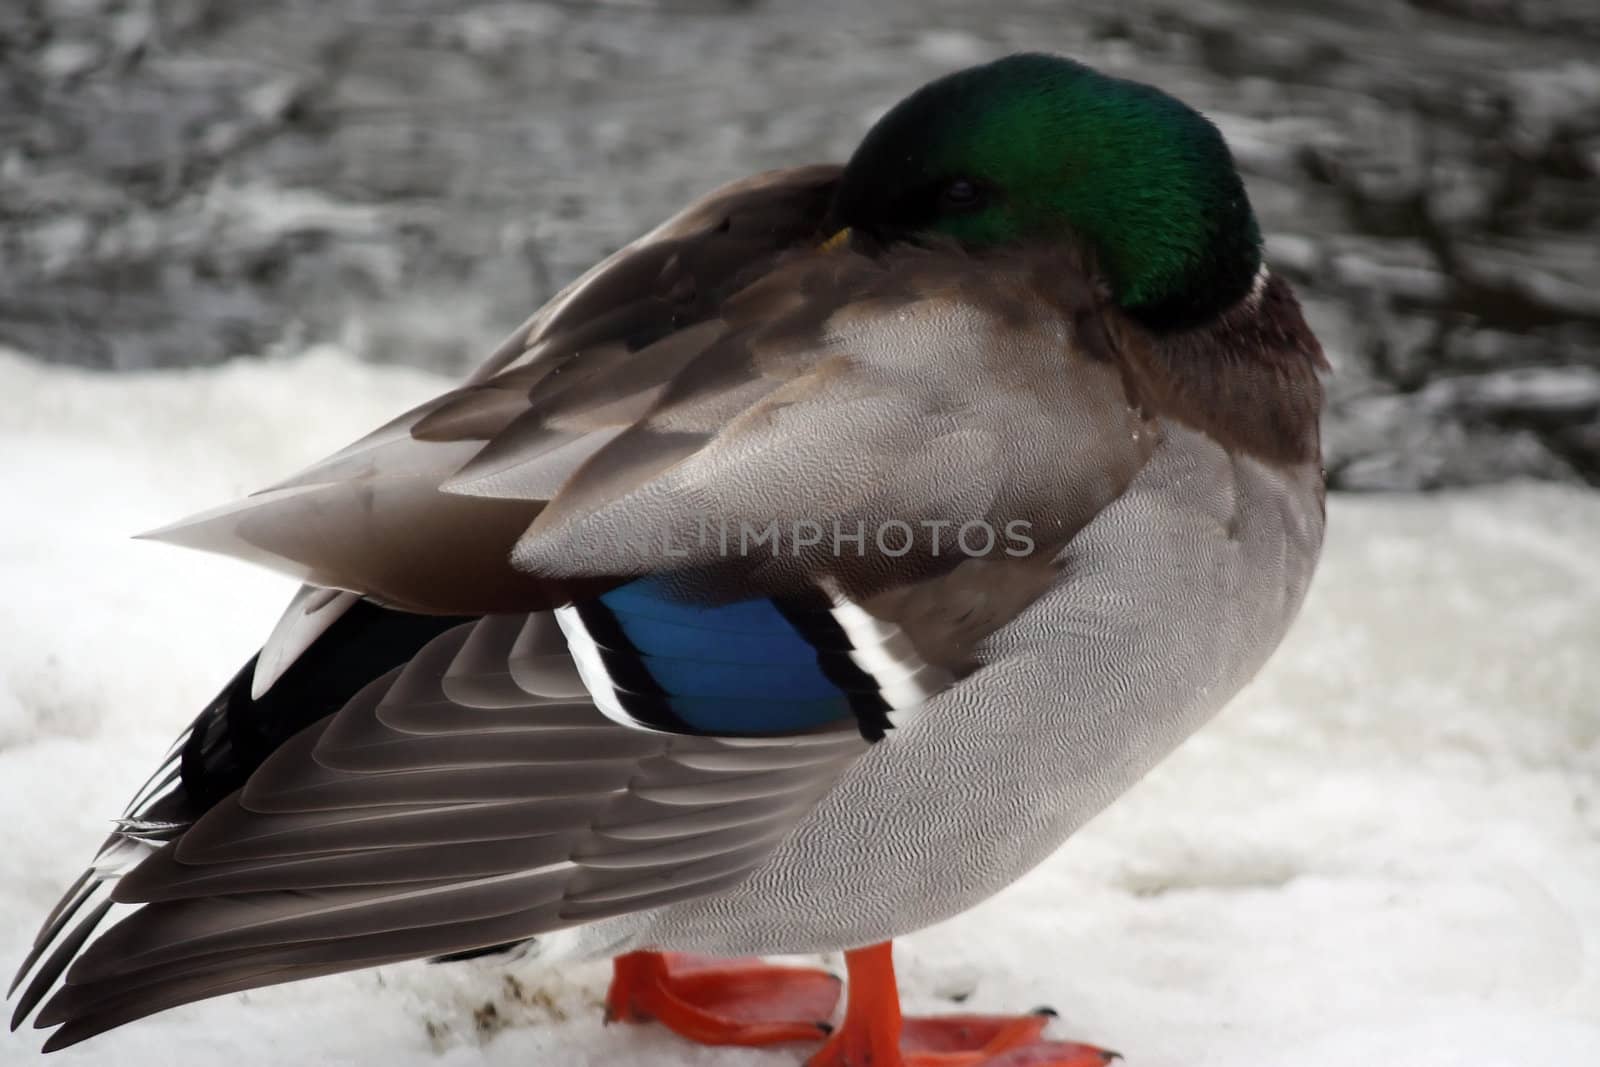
point(186, 181)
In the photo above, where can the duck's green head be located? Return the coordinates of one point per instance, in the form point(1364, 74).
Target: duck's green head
point(1035, 148)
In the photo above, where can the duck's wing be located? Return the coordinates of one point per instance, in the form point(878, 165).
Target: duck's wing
point(658, 710)
point(860, 392)
point(473, 797)
point(408, 515)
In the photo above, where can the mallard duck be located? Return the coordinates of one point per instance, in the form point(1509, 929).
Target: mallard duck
point(799, 577)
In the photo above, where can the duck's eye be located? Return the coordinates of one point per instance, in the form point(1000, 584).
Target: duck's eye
point(961, 194)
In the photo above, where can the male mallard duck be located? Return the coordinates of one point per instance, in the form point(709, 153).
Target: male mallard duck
point(799, 577)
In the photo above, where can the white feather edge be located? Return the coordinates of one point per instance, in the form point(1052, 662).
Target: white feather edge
point(309, 614)
point(896, 676)
point(592, 669)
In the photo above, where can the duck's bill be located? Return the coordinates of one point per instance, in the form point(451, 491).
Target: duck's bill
point(837, 241)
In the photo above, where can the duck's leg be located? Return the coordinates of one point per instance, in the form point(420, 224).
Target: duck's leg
point(722, 1002)
point(875, 1035)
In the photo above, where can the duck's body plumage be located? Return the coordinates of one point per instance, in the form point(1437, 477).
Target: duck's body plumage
point(527, 693)
point(1078, 696)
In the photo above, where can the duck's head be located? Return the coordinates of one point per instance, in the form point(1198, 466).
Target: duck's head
point(1037, 149)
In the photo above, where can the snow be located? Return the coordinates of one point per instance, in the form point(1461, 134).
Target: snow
point(1387, 850)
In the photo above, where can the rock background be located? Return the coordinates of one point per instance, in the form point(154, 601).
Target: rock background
point(182, 181)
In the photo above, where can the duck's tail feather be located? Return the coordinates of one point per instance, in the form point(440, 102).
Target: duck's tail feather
point(309, 679)
point(76, 916)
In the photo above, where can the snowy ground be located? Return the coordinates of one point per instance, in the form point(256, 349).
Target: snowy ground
point(1387, 850)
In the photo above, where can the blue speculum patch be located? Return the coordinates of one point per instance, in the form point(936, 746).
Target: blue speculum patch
point(742, 668)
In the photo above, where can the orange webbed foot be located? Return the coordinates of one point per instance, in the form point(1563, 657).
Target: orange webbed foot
point(875, 1034)
point(723, 1002)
